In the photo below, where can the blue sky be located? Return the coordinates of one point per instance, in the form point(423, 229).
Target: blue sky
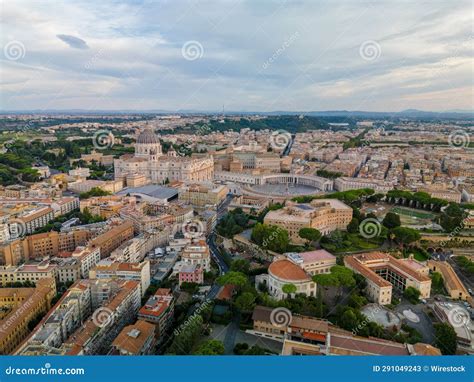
point(255, 55)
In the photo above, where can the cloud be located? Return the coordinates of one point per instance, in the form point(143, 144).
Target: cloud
point(72, 41)
point(130, 55)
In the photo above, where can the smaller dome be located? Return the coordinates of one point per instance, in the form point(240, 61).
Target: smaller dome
point(286, 270)
point(147, 137)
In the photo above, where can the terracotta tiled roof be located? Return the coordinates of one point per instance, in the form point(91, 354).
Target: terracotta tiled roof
point(425, 349)
point(367, 345)
point(286, 270)
point(366, 272)
point(132, 338)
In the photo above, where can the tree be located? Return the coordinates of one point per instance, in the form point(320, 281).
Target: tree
point(240, 265)
point(405, 235)
point(289, 289)
point(353, 226)
point(452, 218)
point(446, 338)
point(187, 337)
point(273, 238)
point(391, 220)
point(245, 302)
point(357, 301)
point(340, 277)
point(412, 294)
point(236, 279)
point(240, 348)
point(210, 347)
point(95, 191)
point(256, 350)
point(326, 279)
point(191, 288)
point(437, 281)
point(344, 275)
point(349, 320)
point(309, 234)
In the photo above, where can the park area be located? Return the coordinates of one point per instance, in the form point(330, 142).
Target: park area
point(411, 216)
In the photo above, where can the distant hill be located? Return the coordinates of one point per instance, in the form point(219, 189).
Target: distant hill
point(408, 113)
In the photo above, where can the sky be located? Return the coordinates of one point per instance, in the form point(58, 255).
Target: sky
point(256, 55)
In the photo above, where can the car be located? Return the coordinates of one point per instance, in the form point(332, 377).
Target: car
point(423, 301)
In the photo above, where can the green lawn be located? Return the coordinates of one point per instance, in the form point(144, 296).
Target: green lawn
point(413, 213)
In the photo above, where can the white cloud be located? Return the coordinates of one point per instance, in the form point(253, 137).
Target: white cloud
point(134, 57)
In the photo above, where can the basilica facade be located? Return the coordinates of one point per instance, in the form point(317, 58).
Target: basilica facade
point(150, 162)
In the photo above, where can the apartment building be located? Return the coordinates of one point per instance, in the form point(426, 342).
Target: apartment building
point(28, 272)
point(197, 253)
point(444, 193)
point(106, 206)
point(81, 186)
point(191, 274)
point(14, 326)
point(60, 322)
point(42, 245)
point(63, 206)
point(110, 270)
point(325, 215)
point(159, 310)
point(136, 339)
point(88, 258)
point(384, 272)
point(36, 219)
point(202, 195)
point(113, 238)
point(96, 335)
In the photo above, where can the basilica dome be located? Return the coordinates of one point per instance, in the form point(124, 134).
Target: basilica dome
point(147, 137)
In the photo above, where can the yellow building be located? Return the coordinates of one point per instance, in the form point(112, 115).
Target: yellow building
point(41, 245)
point(201, 195)
point(14, 327)
point(384, 272)
point(325, 215)
point(452, 283)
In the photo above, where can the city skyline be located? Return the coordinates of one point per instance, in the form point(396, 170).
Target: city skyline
point(266, 57)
